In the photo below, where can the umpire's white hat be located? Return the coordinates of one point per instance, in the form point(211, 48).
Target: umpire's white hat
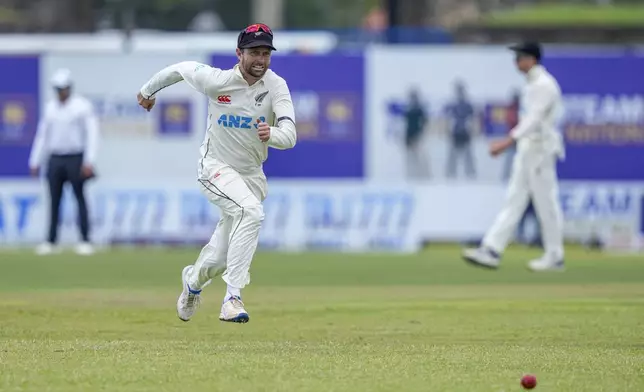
point(62, 78)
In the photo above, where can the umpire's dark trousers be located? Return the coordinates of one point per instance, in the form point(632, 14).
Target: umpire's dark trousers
point(62, 169)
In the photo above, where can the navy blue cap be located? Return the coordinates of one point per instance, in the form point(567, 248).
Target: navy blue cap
point(528, 48)
point(255, 36)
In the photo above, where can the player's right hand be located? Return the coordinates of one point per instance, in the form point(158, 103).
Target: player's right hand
point(34, 171)
point(145, 103)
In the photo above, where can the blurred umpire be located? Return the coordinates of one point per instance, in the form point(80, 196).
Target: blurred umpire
point(534, 168)
point(67, 142)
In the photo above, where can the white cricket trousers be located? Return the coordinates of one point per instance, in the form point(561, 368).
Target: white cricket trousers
point(534, 176)
point(232, 246)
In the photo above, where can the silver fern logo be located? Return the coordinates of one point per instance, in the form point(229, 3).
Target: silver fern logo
point(260, 97)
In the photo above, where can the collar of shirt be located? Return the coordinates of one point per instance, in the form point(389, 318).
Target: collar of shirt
point(69, 101)
point(535, 72)
point(239, 74)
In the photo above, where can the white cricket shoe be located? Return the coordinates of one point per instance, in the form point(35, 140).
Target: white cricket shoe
point(189, 299)
point(232, 310)
point(46, 248)
point(482, 257)
point(84, 249)
point(546, 264)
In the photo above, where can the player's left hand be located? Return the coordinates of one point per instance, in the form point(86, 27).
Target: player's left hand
point(87, 171)
point(263, 131)
point(498, 146)
point(145, 103)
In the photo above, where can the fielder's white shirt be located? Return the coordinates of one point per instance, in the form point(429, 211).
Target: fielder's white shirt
point(234, 110)
point(542, 102)
point(69, 127)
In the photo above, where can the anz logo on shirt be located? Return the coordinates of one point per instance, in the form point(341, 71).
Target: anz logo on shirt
point(240, 122)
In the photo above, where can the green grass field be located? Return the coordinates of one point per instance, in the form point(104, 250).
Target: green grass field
point(320, 322)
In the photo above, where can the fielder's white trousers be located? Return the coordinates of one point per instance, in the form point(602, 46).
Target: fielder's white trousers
point(232, 246)
point(534, 175)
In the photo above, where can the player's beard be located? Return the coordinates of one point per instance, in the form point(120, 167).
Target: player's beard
point(254, 70)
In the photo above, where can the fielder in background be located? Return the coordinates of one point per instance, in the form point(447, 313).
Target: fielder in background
point(242, 102)
point(534, 168)
point(67, 142)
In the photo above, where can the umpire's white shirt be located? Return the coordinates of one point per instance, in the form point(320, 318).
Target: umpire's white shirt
point(66, 128)
point(233, 112)
point(541, 110)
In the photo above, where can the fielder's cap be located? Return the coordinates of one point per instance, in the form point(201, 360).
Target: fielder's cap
point(254, 36)
point(528, 48)
point(62, 78)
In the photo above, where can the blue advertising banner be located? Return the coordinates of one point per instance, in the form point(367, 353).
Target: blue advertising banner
point(328, 94)
point(19, 107)
point(175, 117)
point(604, 114)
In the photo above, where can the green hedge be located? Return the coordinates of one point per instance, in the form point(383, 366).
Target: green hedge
point(573, 15)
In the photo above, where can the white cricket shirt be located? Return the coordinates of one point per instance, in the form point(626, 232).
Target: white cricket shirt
point(66, 128)
point(233, 112)
point(543, 106)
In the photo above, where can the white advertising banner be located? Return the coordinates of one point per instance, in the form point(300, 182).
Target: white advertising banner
point(298, 216)
point(489, 80)
point(612, 212)
point(342, 216)
point(135, 143)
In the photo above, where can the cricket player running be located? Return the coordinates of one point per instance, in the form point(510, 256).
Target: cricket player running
point(230, 173)
point(534, 171)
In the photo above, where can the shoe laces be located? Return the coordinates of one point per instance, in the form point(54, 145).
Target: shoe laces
point(192, 300)
point(236, 302)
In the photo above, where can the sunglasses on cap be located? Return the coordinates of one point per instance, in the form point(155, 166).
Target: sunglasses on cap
point(258, 27)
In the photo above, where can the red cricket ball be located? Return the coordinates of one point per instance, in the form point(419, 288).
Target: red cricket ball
point(528, 381)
